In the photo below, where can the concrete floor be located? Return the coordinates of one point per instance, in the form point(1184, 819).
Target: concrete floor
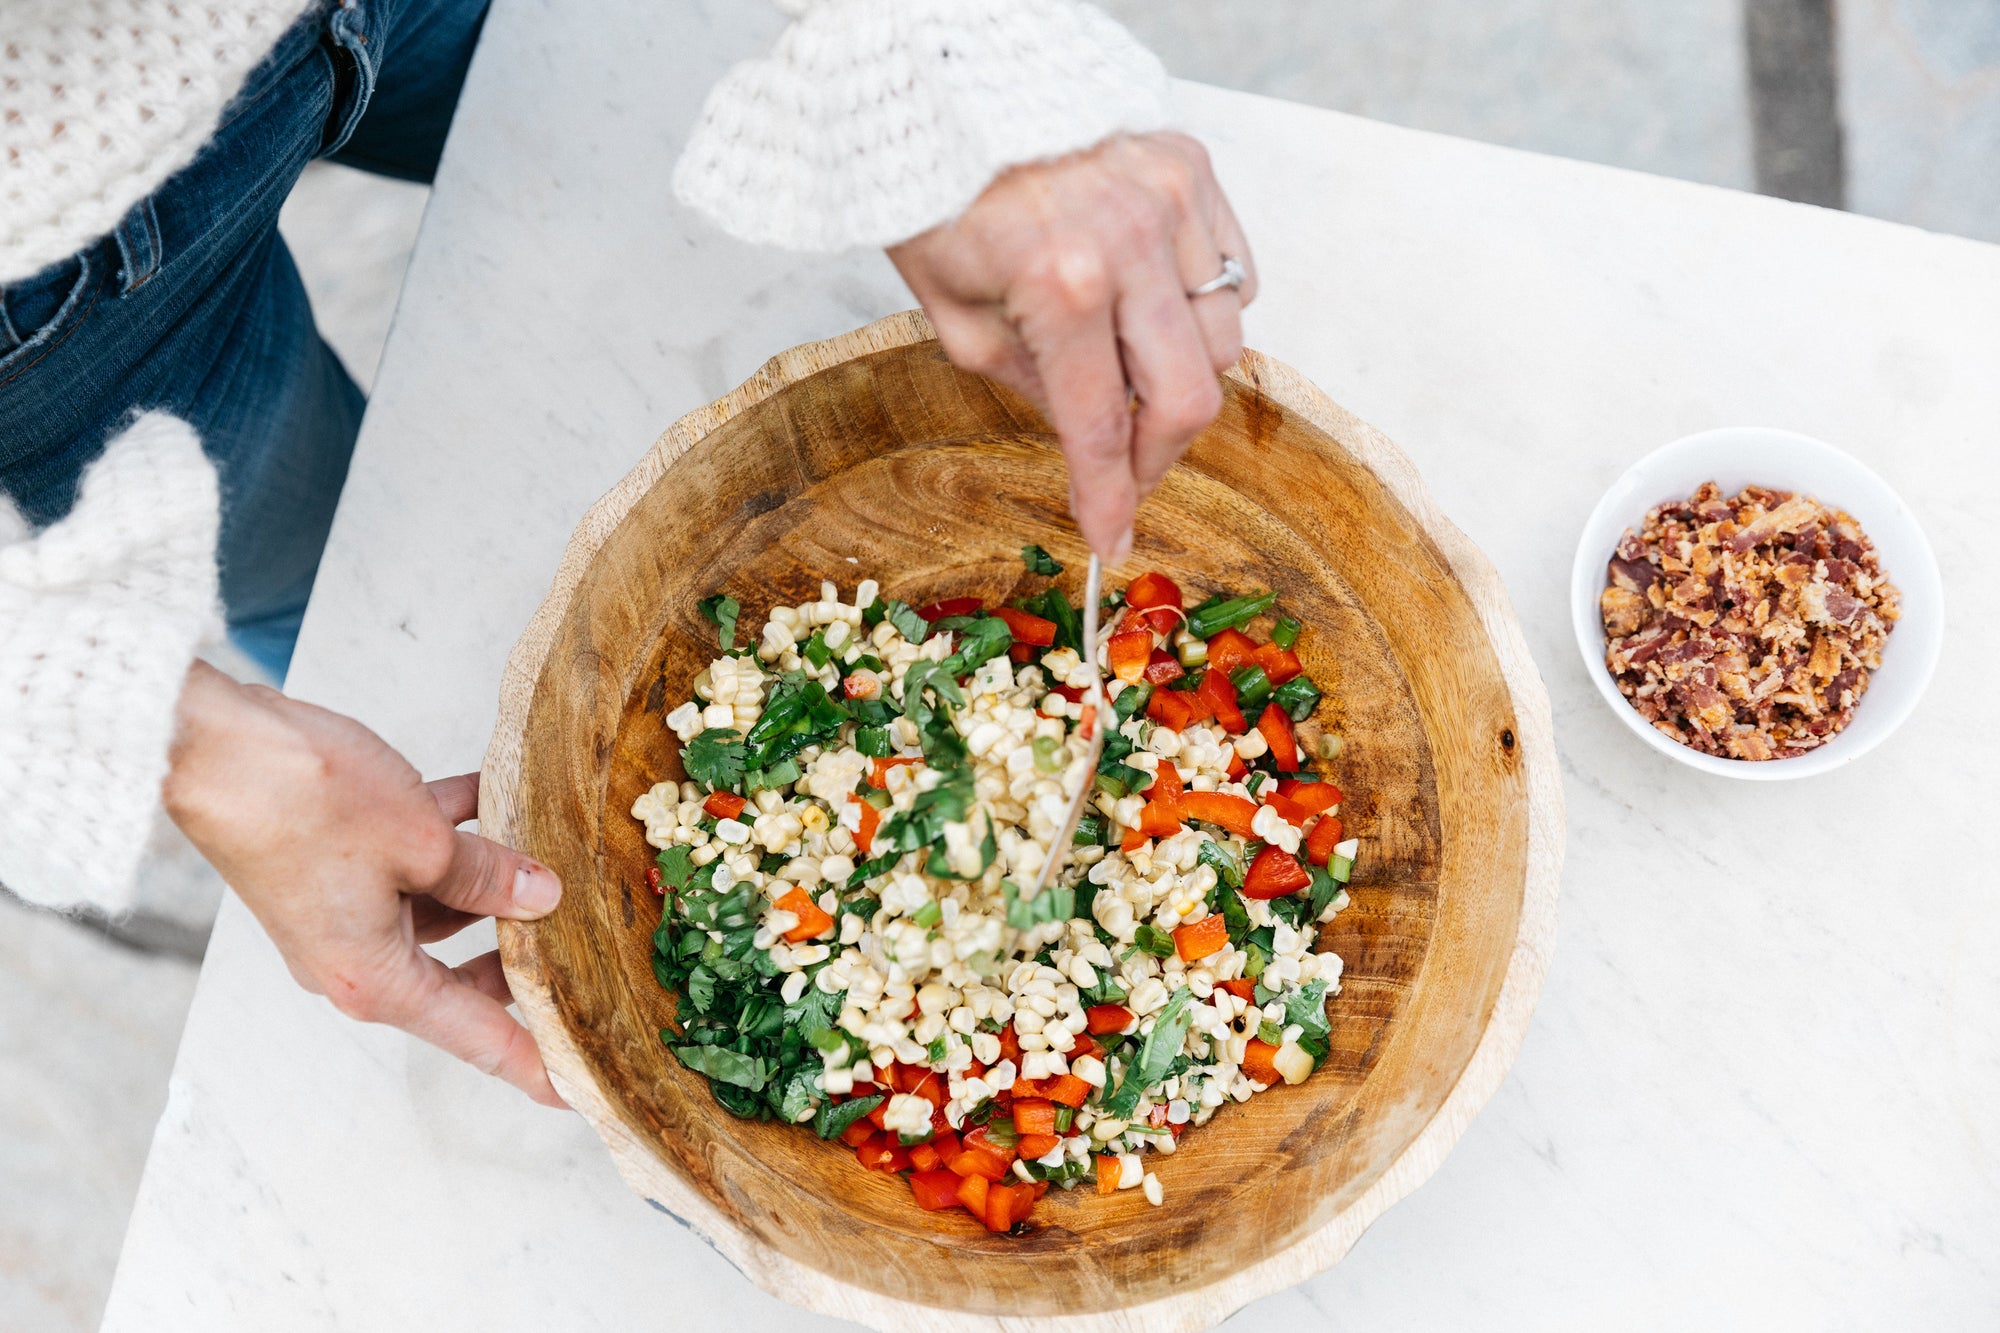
point(1633, 83)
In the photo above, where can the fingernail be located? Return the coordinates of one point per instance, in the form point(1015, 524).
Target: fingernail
point(536, 889)
point(1122, 547)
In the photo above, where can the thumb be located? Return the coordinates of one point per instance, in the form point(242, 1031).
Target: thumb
point(487, 879)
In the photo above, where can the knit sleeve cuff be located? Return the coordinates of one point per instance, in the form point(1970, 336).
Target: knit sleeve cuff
point(874, 120)
point(103, 613)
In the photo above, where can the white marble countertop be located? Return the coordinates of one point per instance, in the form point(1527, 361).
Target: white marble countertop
point(1760, 1089)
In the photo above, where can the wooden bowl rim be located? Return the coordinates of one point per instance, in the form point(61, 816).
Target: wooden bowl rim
point(1185, 1311)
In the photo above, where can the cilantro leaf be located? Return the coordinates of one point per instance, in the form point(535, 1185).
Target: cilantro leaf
point(715, 758)
point(676, 865)
point(722, 611)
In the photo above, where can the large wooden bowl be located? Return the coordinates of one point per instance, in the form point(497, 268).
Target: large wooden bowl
point(870, 455)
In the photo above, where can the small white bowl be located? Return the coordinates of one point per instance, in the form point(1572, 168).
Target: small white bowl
point(1738, 456)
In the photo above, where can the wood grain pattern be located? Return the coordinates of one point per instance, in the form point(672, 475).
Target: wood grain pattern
point(872, 448)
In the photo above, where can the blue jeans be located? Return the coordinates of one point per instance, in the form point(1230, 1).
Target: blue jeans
point(193, 305)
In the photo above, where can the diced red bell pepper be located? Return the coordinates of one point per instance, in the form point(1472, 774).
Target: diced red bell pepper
point(1321, 841)
point(1027, 628)
point(1132, 841)
point(1219, 693)
point(1243, 988)
point(977, 1140)
point(871, 819)
point(1257, 1062)
point(1037, 1145)
point(724, 804)
point(1167, 787)
point(1010, 1044)
point(1318, 797)
point(947, 1145)
point(878, 773)
point(1289, 810)
point(1065, 1090)
point(1127, 654)
point(980, 1161)
point(812, 921)
point(1237, 769)
point(859, 1132)
point(1172, 709)
point(1222, 809)
point(1229, 649)
point(883, 1153)
point(1273, 873)
point(1034, 1115)
point(972, 1195)
point(950, 606)
point(1107, 1175)
point(1084, 1045)
point(879, 1117)
point(1198, 939)
point(1000, 1207)
point(1163, 667)
point(926, 1157)
point(1157, 819)
point(1276, 726)
point(935, 1190)
point(1280, 664)
point(1107, 1018)
point(653, 880)
point(1020, 652)
point(1152, 589)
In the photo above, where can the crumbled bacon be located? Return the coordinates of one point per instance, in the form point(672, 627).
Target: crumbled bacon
point(1746, 627)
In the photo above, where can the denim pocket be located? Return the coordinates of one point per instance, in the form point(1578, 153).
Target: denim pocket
point(36, 315)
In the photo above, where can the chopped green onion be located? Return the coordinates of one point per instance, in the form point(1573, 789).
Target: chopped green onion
point(1270, 1033)
point(1253, 688)
point(1153, 940)
point(1045, 748)
point(1212, 617)
point(927, 916)
point(816, 650)
point(1089, 830)
point(1341, 868)
point(874, 742)
point(1286, 632)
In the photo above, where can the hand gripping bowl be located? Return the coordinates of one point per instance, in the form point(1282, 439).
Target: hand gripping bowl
point(872, 446)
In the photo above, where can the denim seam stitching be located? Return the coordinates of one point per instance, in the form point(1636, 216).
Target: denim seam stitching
point(75, 323)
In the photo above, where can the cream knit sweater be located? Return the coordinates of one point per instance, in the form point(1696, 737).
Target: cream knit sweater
point(871, 121)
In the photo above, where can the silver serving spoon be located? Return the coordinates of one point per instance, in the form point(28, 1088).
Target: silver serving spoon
point(1094, 710)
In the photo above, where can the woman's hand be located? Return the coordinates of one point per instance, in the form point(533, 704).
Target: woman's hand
point(1069, 281)
point(351, 862)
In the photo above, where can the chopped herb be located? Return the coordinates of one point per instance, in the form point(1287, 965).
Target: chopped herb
point(1039, 561)
point(722, 612)
point(676, 865)
point(1131, 700)
point(906, 620)
point(1057, 902)
point(1162, 1047)
point(833, 1121)
point(1054, 605)
point(715, 759)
